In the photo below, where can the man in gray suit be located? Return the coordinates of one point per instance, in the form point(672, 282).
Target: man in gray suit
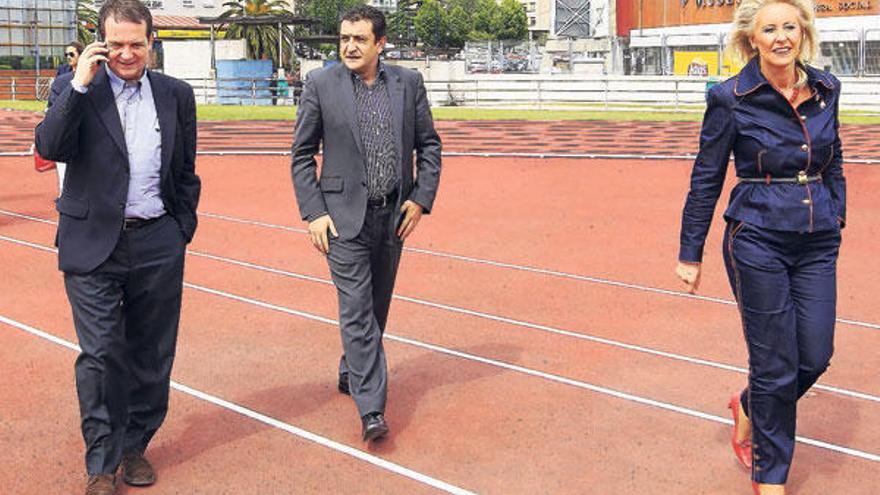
point(370, 117)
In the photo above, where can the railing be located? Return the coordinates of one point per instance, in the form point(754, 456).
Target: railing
point(25, 88)
point(643, 93)
point(553, 92)
point(245, 91)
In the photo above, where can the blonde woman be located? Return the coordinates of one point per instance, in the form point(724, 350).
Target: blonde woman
point(779, 118)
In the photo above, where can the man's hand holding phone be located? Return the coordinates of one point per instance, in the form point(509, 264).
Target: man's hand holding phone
point(89, 62)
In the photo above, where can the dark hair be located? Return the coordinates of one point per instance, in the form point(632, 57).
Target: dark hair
point(76, 45)
point(124, 10)
point(367, 13)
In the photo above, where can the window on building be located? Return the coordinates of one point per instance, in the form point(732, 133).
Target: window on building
point(841, 57)
point(872, 57)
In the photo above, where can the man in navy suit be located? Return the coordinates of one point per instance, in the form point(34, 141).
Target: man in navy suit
point(127, 211)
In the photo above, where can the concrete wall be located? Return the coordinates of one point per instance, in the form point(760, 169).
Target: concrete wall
point(191, 59)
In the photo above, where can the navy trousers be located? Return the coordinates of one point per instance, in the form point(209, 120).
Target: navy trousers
point(363, 270)
point(786, 288)
point(126, 314)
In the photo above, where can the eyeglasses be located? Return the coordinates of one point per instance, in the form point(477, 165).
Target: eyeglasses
point(70, 54)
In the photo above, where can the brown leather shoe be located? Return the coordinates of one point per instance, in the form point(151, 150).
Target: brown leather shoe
point(101, 484)
point(137, 471)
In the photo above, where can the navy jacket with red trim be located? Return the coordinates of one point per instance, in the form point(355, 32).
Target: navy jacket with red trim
point(746, 115)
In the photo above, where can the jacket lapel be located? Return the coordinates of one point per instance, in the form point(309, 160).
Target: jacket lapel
point(103, 101)
point(347, 102)
point(396, 96)
point(166, 111)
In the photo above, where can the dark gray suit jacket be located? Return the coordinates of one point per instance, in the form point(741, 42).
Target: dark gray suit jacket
point(327, 113)
point(84, 131)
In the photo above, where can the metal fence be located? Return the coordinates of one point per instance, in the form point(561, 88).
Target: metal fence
point(488, 90)
point(246, 91)
point(645, 93)
point(25, 88)
point(496, 57)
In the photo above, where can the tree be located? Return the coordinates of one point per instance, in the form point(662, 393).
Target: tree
point(401, 22)
point(327, 12)
point(510, 22)
point(483, 13)
point(86, 18)
point(261, 41)
point(432, 24)
point(459, 22)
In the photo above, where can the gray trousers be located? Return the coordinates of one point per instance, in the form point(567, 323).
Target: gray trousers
point(363, 270)
point(126, 314)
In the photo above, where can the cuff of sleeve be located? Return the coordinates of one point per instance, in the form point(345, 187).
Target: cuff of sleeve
point(690, 254)
point(315, 216)
point(79, 88)
point(422, 200)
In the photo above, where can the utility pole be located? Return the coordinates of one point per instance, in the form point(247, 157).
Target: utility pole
point(36, 50)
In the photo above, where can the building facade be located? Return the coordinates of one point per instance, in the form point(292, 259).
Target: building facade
point(35, 28)
point(689, 36)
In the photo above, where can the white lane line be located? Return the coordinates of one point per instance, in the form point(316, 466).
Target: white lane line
point(520, 369)
point(575, 156)
point(28, 217)
point(527, 371)
point(270, 421)
point(530, 269)
point(517, 323)
point(479, 154)
point(497, 264)
point(529, 325)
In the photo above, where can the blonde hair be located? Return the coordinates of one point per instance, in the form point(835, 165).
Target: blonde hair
point(744, 26)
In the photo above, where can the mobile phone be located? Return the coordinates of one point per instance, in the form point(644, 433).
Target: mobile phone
point(98, 34)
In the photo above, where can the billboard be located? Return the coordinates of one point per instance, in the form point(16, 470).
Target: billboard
point(703, 64)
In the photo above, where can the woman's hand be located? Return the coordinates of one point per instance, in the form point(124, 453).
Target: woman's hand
point(689, 273)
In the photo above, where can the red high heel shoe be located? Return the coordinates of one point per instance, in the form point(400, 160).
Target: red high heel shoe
point(743, 449)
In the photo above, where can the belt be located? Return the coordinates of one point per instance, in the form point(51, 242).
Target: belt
point(382, 201)
point(136, 223)
point(801, 178)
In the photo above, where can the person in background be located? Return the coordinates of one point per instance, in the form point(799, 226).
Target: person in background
point(779, 117)
point(71, 56)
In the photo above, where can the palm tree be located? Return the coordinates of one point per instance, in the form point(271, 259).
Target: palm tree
point(261, 40)
point(86, 17)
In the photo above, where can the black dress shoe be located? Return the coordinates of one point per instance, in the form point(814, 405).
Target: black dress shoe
point(343, 384)
point(375, 426)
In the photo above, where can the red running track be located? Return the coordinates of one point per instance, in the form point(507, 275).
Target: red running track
point(570, 365)
point(566, 138)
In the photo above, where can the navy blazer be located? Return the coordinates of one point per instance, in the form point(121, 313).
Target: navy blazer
point(84, 131)
point(769, 138)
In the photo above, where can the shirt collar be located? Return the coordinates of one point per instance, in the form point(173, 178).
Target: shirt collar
point(117, 83)
point(380, 73)
point(751, 78)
